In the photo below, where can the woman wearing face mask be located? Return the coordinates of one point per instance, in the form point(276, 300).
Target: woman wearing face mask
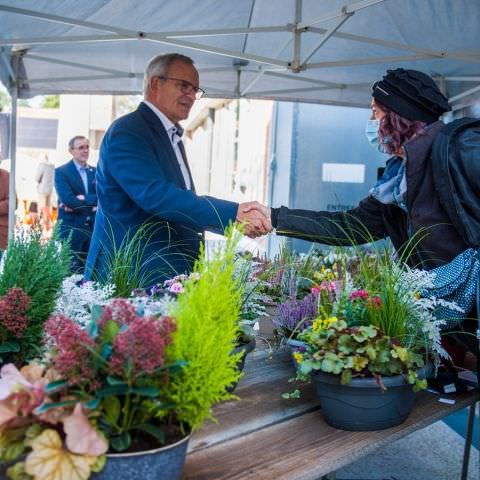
point(405, 204)
point(406, 106)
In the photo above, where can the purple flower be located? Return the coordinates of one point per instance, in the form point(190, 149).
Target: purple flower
point(298, 314)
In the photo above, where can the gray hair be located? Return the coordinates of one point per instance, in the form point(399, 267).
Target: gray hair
point(158, 66)
point(71, 143)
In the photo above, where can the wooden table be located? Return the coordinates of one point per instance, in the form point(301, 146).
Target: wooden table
point(264, 437)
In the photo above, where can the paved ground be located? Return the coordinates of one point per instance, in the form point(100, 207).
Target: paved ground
point(433, 453)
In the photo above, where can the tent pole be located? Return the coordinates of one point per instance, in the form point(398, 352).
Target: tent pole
point(13, 154)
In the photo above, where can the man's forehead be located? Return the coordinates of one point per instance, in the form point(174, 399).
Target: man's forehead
point(183, 70)
point(80, 141)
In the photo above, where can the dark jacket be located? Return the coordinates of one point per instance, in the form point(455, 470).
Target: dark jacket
point(78, 220)
point(426, 222)
point(140, 184)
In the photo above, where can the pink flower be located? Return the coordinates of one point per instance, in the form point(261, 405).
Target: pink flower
point(120, 311)
point(71, 357)
point(13, 309)
point(375, 301)
point(361, 294)
point(142, 345)
point(315, 290)
point(176, 287)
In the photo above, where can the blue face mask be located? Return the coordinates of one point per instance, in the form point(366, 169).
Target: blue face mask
point(371, 132)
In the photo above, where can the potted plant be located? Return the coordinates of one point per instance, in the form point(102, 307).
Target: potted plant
point(366, 352)
point(31, 276)
point(120, 398)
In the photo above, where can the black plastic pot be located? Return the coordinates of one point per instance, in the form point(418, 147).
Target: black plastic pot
point(244, 347)
point(362, 405)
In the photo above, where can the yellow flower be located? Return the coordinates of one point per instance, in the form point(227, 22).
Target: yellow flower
point(298, 357)
point(317, 325)
point(330, 320)
point(417, 296)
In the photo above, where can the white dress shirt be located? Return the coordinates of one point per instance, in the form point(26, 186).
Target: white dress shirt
point(82, 170)
point(175, 136)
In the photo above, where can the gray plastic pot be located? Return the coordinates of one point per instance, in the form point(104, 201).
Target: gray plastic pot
point(247, 348)
point(164, 463)
point(362, 405)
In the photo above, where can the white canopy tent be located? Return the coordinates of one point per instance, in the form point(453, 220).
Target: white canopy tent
point(322, 51)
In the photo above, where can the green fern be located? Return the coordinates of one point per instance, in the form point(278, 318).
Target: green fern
point(207, 315)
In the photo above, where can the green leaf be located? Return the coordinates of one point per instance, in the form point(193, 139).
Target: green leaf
point(146, 391)
point(110, 331)
point(112, 407)
point(152, 430)
point(50, 387)
point(346, 376)
point(49, 406)
point(114, 390)
point(106, 351)
point(97, 312)
point(116, 381)
point(10, 346)
point(92, 404)
point(121, 442)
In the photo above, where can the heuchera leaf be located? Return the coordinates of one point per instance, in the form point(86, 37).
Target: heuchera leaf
point(81, 436)
point(50, 461)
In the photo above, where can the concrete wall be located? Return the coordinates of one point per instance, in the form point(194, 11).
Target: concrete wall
point(321, 159)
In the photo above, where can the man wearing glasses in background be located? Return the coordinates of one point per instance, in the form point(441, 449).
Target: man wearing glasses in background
point(144, 181)
point(77, 200)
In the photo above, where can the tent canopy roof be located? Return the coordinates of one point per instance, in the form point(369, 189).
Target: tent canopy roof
point(314, 51)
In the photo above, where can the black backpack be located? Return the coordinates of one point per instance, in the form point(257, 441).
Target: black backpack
point(456, 172)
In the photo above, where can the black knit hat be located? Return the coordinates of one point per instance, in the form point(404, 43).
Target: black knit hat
point(411, 94)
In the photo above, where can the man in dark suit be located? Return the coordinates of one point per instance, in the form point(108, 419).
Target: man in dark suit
point(77, 200)
point(144, 182)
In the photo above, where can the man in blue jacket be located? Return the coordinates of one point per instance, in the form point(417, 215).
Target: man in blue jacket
point(77, 200)
point(145, 188)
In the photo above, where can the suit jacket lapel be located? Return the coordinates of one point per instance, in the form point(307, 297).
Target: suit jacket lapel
point(162, 137)
point(75, 176)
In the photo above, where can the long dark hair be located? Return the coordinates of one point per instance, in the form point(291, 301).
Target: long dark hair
point(397, 129)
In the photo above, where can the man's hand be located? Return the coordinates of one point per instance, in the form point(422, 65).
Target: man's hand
point(255, 217)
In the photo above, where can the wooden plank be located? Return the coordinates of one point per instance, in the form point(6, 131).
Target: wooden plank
point(261, 403)
point(305, 447)
point(266, 437)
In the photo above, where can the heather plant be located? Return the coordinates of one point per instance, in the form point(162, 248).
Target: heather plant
point(37, 268)
point(294, 315)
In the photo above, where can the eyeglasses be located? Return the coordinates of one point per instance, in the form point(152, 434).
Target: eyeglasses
point(186, 87)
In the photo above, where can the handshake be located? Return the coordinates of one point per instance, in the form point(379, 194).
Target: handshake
point(255, 219)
